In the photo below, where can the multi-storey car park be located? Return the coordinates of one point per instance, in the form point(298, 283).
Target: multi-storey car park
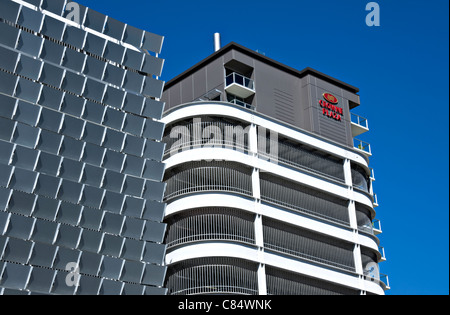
point(268, 190)
point(80, 152)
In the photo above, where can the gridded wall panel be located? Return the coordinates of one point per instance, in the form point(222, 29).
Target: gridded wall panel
point(80, 151)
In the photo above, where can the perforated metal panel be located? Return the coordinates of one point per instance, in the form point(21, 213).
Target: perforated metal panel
point(72, 159)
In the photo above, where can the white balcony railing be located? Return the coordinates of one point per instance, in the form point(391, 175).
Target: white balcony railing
point(239, 85)
point(363, 146)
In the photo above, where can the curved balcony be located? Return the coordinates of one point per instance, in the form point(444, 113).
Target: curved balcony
point(198, 177)
point(212, 275)
point(208, 224)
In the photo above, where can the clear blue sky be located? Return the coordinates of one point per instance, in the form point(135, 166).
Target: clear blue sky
point(402, 70)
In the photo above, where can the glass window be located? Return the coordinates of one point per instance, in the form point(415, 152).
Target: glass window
point(90, 263)
point(43, 255)
point(6, 128)
point(68, 236)
point(133, 228)
point(154, 150)
point(6, 150)
point(111, 267)
point(52, 75)
point(17, 250)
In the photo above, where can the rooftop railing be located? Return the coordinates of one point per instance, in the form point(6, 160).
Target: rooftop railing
point(359, 120)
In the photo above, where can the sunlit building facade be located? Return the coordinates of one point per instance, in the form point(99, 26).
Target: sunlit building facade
point(269, 192)
point(80, 153)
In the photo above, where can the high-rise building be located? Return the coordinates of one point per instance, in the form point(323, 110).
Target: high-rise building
point(268, 189)
point(80, 152)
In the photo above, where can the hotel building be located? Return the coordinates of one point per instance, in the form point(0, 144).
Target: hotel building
point(268, 189)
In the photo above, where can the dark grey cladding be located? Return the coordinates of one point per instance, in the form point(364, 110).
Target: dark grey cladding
point(80, 153)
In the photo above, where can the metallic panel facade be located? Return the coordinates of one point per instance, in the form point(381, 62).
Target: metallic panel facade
point(81, 192)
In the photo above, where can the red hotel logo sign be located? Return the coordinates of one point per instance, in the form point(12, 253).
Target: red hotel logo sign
point(329, 107)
